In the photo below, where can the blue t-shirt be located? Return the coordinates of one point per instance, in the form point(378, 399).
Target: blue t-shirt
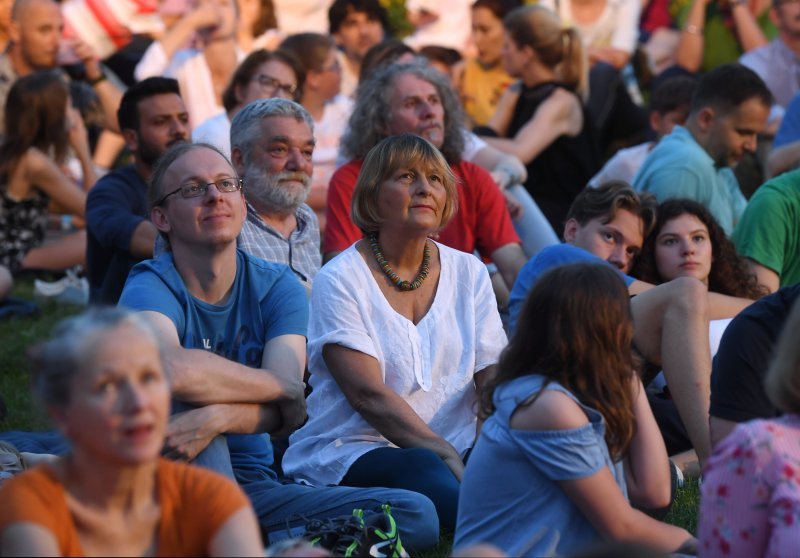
point(509, 494)
point(266, 301)
point(114, 208)
point(547, 259)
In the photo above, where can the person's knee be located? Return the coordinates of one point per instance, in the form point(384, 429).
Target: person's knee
point(416, 518)
point(688, 296)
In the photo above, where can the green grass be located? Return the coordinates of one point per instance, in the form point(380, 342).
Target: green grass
point(17, 334)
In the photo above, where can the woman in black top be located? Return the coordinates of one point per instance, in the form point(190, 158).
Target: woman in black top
point(542, 118)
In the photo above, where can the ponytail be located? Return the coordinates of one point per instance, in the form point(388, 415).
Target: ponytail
point(574, 64)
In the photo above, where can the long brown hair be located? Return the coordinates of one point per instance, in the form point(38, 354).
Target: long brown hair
point(35, 115)
point(557, 48)
point(576, 329)
point(730, 273)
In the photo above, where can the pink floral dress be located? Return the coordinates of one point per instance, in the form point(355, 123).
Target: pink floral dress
point(750, 504)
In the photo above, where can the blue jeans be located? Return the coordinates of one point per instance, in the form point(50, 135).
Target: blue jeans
point(283, 509)
point(415, 469)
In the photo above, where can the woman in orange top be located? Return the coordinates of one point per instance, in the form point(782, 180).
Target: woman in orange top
point(102, 380)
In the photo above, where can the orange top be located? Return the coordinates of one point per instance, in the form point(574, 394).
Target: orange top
point(194, 504)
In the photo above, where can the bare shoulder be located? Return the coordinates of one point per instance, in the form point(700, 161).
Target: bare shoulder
point(552, 410)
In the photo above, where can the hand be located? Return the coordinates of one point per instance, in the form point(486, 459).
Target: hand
point(76, 131)
point(293, 416)
point(455, 464)
point(189, 433)
point(206, 15)
point(513, 206)
point(88, 56)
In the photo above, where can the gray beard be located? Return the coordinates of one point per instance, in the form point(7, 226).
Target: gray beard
point(265, 189)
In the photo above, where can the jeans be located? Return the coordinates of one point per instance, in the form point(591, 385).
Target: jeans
point(284, 508)
point(415, 469)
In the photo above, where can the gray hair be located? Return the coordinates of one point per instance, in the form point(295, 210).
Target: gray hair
point(371, 114)
point(244, 127)
point(55, 362)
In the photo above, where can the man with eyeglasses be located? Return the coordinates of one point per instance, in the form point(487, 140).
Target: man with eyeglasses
point(152, 118)
point(233, 328)
point(272, 142)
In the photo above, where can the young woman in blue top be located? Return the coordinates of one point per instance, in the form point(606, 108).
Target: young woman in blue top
point(571, 441)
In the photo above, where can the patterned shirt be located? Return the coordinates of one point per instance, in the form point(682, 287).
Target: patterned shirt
point(300, 251)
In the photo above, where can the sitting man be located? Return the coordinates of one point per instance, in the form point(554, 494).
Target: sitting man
point(233, 327)
point(744, 356)
point(272, 143)
point(729, 110)
point(152, 118)
point(670, 320)
point(768, 234)
point(410, 98)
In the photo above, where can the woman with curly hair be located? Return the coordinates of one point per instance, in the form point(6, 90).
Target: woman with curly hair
point(688, 242)
point(570, 443)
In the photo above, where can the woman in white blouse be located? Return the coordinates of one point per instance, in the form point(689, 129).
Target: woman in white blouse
point(403, 332)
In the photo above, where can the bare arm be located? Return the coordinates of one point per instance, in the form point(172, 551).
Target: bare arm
point(240, 535)
point(646, 464)
point(28, 539)
point(613, 56)
point(765, 276)
point(109, 94)
point(42, 171)
point(689, 53)
point(597, 496)
point(359, 377)
point(509, 259)
point(143, 240)
point(203, 378)
point(784, 158)
point(505, 168)
point(206, 14)
point(747, 30)
point(723, 306)
point(559, 115)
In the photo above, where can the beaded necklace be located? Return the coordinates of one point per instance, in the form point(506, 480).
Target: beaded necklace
point(393, 277)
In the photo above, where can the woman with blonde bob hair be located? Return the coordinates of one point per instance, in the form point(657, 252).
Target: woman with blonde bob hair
point(751, 484)
point(403, 332)
point(541, 119)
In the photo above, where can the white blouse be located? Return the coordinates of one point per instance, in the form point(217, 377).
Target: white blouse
point(430, 365)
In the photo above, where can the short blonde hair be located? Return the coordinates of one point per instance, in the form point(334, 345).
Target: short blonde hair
point(386, 158)
point(782, 382)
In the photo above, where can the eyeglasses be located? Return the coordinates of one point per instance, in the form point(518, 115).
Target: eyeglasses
point(269, 82)
point(197, 189)
point(333, 67)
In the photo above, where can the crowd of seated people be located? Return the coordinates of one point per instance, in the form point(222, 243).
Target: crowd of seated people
point(359, 278)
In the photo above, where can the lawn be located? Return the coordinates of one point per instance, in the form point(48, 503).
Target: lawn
point(17, 334)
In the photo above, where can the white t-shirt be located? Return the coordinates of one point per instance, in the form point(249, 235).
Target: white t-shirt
point(216, 131)
point(623, 165)
point(617, 26)
point(430, 365)
point(189, 67)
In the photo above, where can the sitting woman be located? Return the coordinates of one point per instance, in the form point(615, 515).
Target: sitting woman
point(41, 126)
point(571, 438)
point(542, 120)
point(750, 500)
point(102, 380)
point(688, 242)
point(403, 332)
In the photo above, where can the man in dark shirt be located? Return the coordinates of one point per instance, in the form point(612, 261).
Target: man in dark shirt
point(152, 118)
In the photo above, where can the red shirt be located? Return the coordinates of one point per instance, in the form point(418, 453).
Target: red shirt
point(482, 222)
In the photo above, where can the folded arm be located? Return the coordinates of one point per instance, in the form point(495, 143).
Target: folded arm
point(359, 377)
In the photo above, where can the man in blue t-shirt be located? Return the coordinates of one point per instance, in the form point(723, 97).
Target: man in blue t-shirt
point(670, 320)
point(152, 118)
point(233, 332)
